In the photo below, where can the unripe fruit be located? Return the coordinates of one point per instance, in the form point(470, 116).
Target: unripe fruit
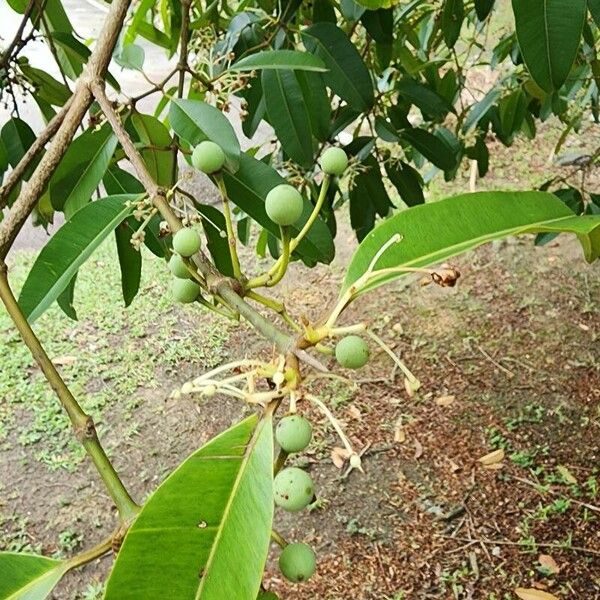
point(334, 161)
point(284, 204)
point(186, 242)
point(185, 290)
point(178, 268)
point(297, 562)
point(293, 489)
point(293, 433)
point(208, 157)
point(352, 352)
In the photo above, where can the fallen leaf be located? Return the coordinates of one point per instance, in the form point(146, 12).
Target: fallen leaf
point(418, 450)
point(445, 400)
point(583, 327)
point(533, 594)
point(409, 388)
point(339, 456)
point(63, 361)
point(453, 466)
point(494, 467)
point(354, 412)
point(492, 458)
point(566, 474)
point(399, 433)
point(548, 563)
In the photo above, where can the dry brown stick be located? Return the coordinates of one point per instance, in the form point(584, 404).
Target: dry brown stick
point(40, 142)
point(81, 101)
point(18, 39)
point(553, 545)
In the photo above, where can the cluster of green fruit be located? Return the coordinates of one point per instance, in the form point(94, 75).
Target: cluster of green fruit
point(293, 490)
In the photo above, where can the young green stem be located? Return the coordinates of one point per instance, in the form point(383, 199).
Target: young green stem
point(88, 556)
point(284, 259)
point(82, 423)
point(275, 306)
point(231, 238)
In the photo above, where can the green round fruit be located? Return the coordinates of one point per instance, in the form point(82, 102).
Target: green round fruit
point(334, 161)
point(208, 157)
point(185, 290)
point(178, 268)
point(284, 204)
point(352, 352)
point(297, 562)
point(293, 433)
point(293, 489)
point(186, 242)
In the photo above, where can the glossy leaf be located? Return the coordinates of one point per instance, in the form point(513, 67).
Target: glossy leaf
point(453, 16)
point(213, 223)
point(479, 110)
point(549, 34)
point(68, 249)
point(431, 104)
point(16, 137)
point(157, 155)
point(594, 8)
point(483, 8)
point(279, 59)
point(407, 181)
point(205, 532)
point(195, 121)
point(288, 114)
point(130, 260)
point(431, 147)
point(434, 232)
point(248, 188)
point(28, 576)
point(348, 76)
point(375, 4)
point(82, 169)
point(314, 95)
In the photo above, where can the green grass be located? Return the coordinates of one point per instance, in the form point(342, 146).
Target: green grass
point(108, 358)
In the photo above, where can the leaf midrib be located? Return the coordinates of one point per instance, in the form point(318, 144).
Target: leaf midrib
point(53, 571)
point(243, 466)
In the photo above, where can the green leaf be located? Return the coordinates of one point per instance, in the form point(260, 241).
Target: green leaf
point(28, 576)
point(549, 33)
point(288, 114)
point(81, 170)
point(280, 59)
point(375, 4)
point(431, 104)
point(132, 56)
point(248, 188)
point(213, 223)
point(47, 88)
point(151, 132)
point(205, 532)
point(66, 299)
point(407, 181)
point(130, 260)
point(594, 7)
point(16, 136)
point(348, 76)
point(195, 121)
point(479, 110)
point(68, 249)
point(483, 8)
point(317, 102)
point(434, 232)
point(431, 147)
point(453, 16)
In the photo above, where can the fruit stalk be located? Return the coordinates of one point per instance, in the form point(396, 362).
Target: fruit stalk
point(231, 238)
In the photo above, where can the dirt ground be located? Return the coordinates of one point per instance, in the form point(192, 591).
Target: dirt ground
point(508, 360)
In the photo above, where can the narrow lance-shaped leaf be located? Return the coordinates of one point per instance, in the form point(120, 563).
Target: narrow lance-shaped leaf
point(288, 114)
point(28, 576)
point(205, 532)
point(431, 233)
point(68, 249)
point(195, 121)
point(130, 260)
point(280, 59)
point(549, 34)
point(347, 76)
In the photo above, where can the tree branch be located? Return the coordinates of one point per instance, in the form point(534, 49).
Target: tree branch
point(82, 99)
point(82, 423)
point(17, 41)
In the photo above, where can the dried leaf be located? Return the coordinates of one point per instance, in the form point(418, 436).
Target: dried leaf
point(63, 361)
point(409, 388)
point(399, 433)
point(354, 412)
point(533, 594)
point(445, 400)
point(418, 450)
point(492, 458)
point(566, 474)
point(339, 456)
point(548, 563)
